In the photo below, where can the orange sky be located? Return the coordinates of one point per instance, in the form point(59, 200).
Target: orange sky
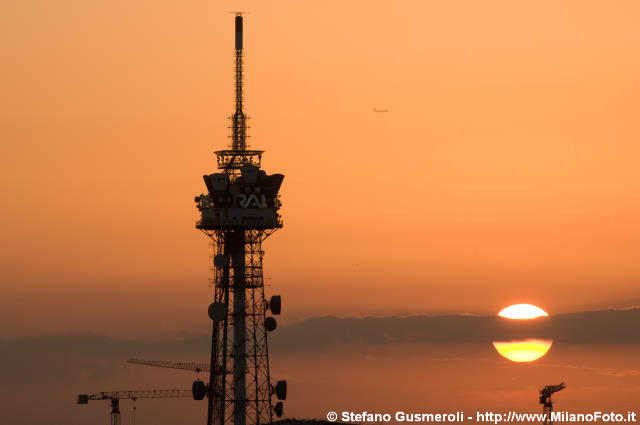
point(506, 170)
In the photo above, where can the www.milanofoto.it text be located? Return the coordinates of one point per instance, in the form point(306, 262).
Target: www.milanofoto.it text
point(487, 417)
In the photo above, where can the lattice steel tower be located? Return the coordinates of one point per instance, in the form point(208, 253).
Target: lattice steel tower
point(238, 213)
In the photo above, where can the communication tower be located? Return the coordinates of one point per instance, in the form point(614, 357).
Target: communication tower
point(238, 213)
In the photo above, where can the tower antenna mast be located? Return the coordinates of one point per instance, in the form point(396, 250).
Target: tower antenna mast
point(239, 121)
point(231, 160)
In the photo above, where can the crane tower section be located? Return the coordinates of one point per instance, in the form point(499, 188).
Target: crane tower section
point(547, 402)
point(238, 212)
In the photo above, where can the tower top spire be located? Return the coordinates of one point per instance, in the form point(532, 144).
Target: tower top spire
point(238, 31)
point(239, 154)
point(239, 128)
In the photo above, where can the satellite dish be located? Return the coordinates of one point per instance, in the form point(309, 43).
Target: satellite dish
point(281, 390)
point(220, 261)
point(217, 311)
point(275, 304)
point(278, 409)
point(198, 389)
point(270, 324)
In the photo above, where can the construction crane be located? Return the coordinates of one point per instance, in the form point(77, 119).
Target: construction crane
point(200, 389)
point(196, 367)
point(545, 400)
point(115, 396)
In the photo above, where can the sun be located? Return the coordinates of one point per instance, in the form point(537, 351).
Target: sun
point(522, 311)
point(527, 350)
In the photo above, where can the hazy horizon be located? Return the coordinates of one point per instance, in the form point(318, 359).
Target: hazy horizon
point(371, 377)
point(597, 326)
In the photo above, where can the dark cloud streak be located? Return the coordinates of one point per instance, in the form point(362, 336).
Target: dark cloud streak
point(610, 326)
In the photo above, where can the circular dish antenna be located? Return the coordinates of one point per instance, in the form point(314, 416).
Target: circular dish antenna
point(270, 324)
point(220, 261)
point(281, 390)
point(198, 389)
point(275, 304)
point(217, 311)
point(278, 409)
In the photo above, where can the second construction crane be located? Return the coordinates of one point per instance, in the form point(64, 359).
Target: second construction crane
point(196, 367)
point(114, 398)
point(547, 403)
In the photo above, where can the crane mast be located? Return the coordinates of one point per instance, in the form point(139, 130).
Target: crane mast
point(547, 403)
